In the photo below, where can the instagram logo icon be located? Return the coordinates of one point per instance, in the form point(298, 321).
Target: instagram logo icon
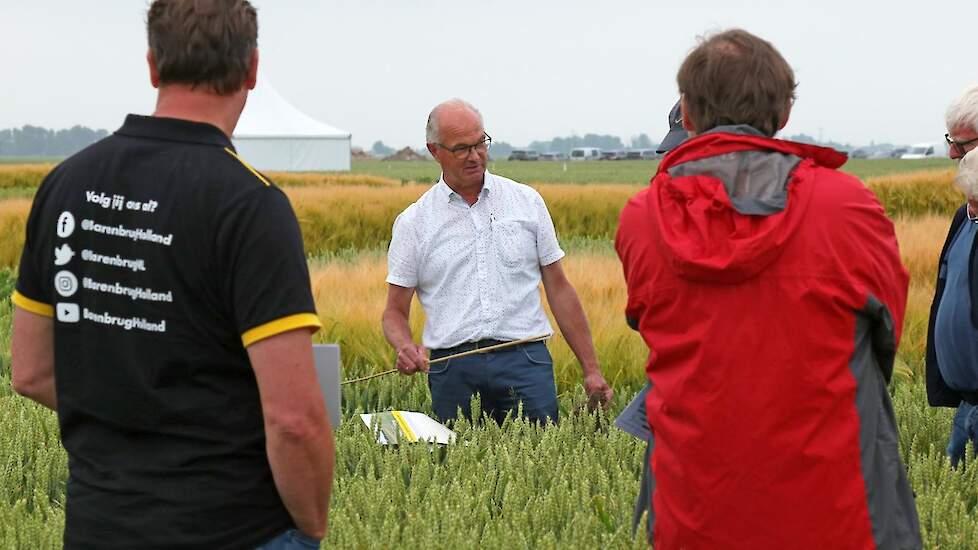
point(65, 283)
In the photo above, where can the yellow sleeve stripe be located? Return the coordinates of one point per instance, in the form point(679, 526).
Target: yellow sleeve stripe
point(405, 427)
point(248, 166)
point(279, 326)
point(33, 306)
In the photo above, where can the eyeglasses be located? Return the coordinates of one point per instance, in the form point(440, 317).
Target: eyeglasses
point(462, 151)
point(959, 147)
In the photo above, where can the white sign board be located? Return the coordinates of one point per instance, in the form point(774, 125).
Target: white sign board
point(394, 427)
point(327, 358)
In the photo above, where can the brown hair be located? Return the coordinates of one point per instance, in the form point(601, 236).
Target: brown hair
point(203, 42)
point(734, 77)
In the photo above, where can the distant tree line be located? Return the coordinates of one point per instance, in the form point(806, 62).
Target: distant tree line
point(34, 141)
point(564, 145)
point(381, 150)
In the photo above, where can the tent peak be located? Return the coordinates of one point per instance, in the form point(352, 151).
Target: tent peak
point(267, 114)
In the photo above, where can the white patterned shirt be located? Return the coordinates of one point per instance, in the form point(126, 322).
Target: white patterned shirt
point(476, 268)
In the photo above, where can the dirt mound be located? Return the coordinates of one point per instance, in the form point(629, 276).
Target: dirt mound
point(405, 154)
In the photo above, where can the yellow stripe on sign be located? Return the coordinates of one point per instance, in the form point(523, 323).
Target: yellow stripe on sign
point(33, 306)
point(248, 166)
point(405, 427)
point(279, 326)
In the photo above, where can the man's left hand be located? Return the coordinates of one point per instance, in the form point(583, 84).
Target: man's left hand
point(598, 391)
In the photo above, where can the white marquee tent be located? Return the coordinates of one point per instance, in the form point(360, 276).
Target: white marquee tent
point(274, 135)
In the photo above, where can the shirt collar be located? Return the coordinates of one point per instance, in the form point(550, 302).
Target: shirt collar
point(446, 192)
point(173, 129)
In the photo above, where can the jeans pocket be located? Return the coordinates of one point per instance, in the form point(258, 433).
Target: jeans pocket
point(439, 368)
point(537, 354)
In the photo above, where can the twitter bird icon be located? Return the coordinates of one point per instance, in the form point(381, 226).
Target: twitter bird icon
point(63, 254)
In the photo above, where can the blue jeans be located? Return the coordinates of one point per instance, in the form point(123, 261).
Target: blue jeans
point(965, 427)
point(503, 379)
point(293, 539)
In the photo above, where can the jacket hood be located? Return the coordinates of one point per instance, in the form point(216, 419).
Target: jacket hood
point(727, 201)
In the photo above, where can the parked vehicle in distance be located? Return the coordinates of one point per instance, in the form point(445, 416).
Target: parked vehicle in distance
point(524, 154)
point(632, 155)
point(649, 154)
point(552, 156)
point(898, 152)
point(924, 151)
point(585, 153)
point(859, 154)
point(612, 155)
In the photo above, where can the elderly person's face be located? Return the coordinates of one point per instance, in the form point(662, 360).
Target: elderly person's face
point(461, 150)
point(961, 139)
point(967, 181)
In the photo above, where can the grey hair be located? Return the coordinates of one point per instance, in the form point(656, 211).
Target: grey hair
point(963, 111)
point(967, 177)
point(431, 130)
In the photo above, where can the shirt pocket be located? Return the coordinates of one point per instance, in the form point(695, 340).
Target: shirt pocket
point(516, 242)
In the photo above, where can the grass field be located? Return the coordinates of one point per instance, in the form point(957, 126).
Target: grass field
point(619, 171)
point(29, 160)
point(355, 211)
point(25, 173)
point(517, 486)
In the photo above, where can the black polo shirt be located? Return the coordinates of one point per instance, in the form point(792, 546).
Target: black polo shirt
point(160, 255)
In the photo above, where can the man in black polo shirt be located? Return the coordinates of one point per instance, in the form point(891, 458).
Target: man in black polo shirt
point(163, 309)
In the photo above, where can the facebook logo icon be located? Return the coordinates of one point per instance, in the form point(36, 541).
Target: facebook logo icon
point(66, 224)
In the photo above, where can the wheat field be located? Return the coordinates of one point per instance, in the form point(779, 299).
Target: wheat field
point(515, 486)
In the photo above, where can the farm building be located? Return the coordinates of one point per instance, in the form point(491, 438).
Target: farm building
point(274, 135)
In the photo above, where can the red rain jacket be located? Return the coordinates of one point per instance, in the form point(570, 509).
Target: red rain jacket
point(769, 290)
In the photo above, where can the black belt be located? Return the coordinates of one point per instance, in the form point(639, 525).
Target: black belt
point(468, 346)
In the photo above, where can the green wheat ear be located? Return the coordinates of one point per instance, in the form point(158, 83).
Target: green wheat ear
point(901, 370)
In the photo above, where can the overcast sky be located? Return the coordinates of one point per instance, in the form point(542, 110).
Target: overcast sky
point(868, 70)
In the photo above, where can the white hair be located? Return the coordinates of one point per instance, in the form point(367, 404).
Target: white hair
point(432, 129)
point(967, 177)
point(963, 111)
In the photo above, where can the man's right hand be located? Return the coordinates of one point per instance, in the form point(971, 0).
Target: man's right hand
point(412, 358)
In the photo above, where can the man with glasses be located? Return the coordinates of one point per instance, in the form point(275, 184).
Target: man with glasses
point(475, 247)
point(952, 333)
point(962, 124)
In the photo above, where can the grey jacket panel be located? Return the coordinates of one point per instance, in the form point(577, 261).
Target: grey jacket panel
point(881, 333)
point(892, 510)
point(644, 501)
point(756, 181)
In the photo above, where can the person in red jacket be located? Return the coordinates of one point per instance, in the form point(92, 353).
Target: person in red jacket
point(769, 290)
